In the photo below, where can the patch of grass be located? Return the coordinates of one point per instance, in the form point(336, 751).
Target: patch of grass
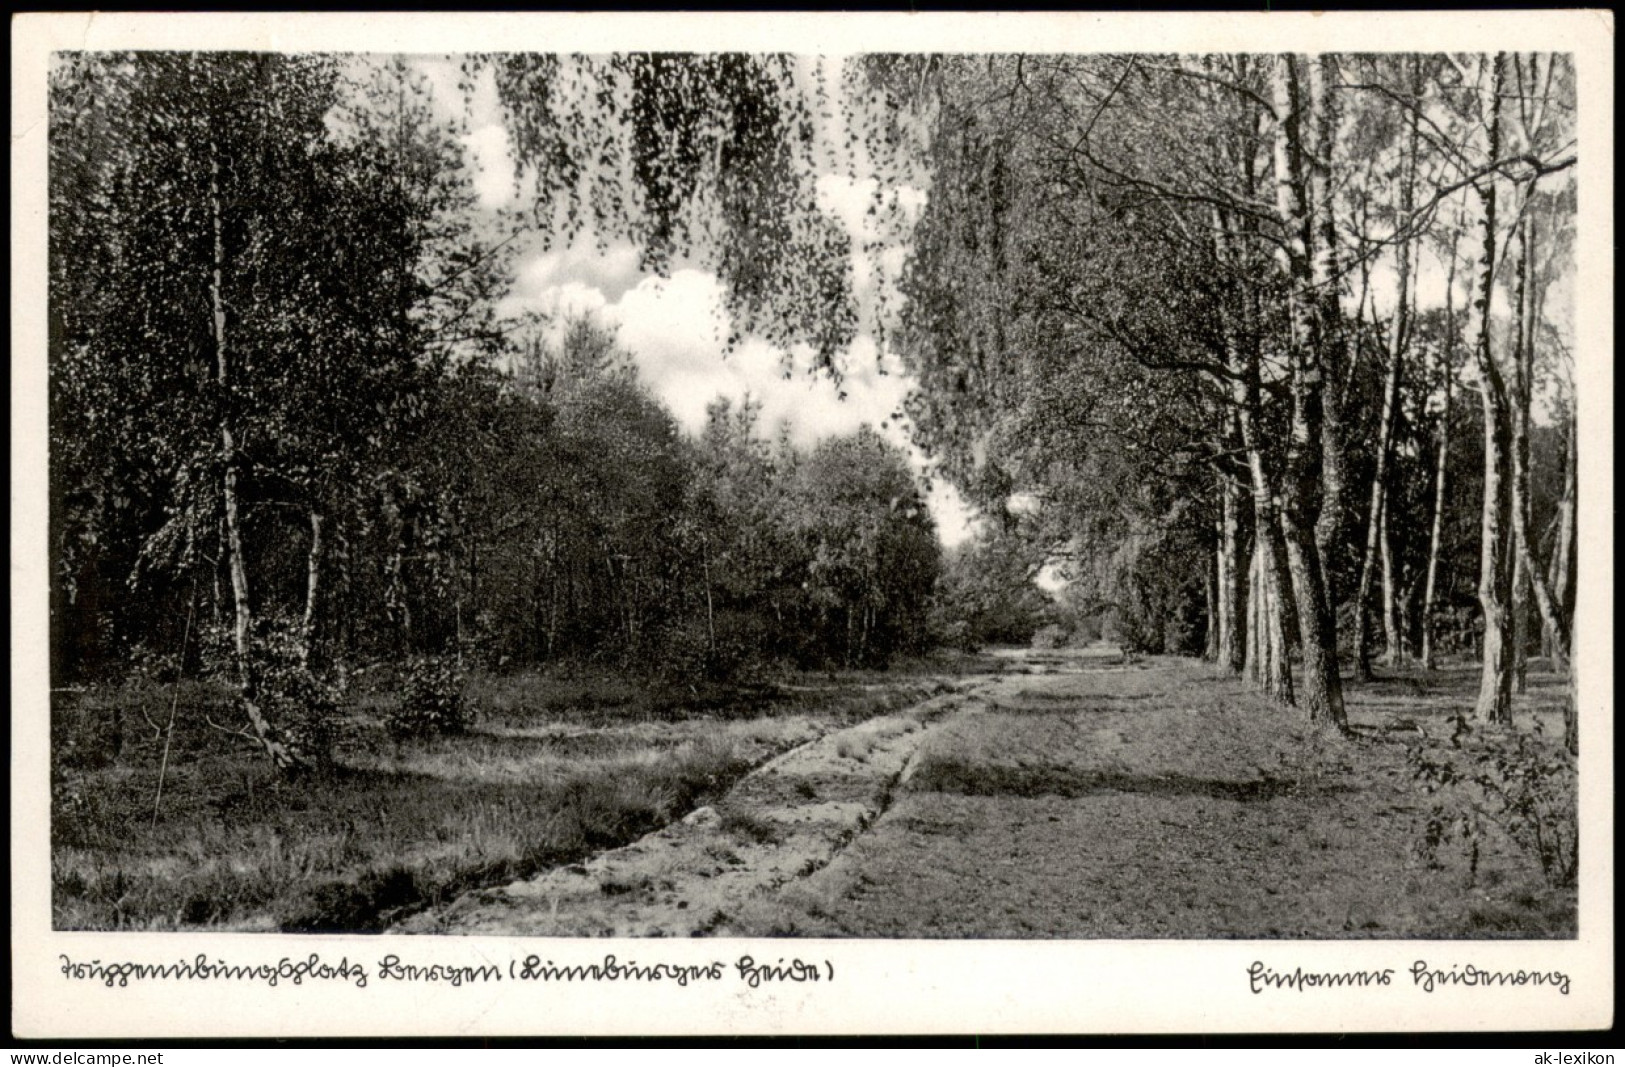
point(854, 747)
point(724, 855)
point(352, 850)
point(751, 827)
point(1525, 914)
point(527, 696)
point(620, 887)
point(1172, 802)
point(946, 775)
point(557, 771)
point(531, 698)
point(800, 910)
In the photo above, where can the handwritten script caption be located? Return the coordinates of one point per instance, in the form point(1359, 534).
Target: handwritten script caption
point(296, 971)
point(1423, 976)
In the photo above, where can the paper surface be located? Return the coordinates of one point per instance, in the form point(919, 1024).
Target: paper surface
point(958, 987)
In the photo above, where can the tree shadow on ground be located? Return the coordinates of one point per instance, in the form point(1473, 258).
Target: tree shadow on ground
point(952, 776)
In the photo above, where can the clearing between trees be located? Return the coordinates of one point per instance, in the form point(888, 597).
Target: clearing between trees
point(1079, 795)
point(1070, 793)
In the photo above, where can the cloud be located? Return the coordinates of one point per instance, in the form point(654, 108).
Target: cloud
point(674, 326)
point(852, 201)
point(492, 165)
point(848, 200)
point(956, 522)
point(490, 154)
point(675, 329)
point(580, 267)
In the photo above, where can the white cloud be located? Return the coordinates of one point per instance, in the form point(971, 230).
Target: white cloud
point(612, 273)
point(492, 165)
point(847, 200)
point(852, 202)
point(676, 328)
point(489, 151)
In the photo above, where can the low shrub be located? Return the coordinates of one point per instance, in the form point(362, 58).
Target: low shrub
point(724, 649)
point(432, 699)
point(296, 700)
point(1050, 637)
point(1521, 783)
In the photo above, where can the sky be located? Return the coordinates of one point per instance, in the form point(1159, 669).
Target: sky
point(675, 327)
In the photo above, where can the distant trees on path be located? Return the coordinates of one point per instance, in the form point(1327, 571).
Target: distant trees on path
point(289, 432)
point(1195, 328)
point(1189, 309)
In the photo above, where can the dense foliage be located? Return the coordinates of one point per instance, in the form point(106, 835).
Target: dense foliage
point(1262, 342)
point(291, 436)
point(1200, 335)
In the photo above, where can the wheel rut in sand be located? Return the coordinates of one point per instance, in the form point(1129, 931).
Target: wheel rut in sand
point(781, 822)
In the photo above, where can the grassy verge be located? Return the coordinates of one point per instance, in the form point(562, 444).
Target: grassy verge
point(554, 770)
point(1173, 802)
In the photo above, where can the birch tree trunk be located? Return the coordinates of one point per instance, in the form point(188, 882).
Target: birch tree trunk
point(1379, 503)
point(1563, 586)
point(1394, 651)
point(1267, 664)
point(1440, 478)
point(1250, 668)
point(1562, 569)
point(1495, 567)
point(1398, 338)
point(1530, 578)
point(1265, 654)
point(1231, 652)
point(1303, 486)
point(313, 578)
point(1331, 346)
point(270, 738)
point(1210, 593)
point(1520, 387)
point(1494, 704)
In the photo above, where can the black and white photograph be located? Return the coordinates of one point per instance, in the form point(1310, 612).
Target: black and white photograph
point(690, 524)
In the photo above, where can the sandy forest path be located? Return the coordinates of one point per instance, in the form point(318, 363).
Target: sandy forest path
point(1074, 795)
point(779, 824)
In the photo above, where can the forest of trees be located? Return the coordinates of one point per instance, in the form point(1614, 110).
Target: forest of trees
point(1267, 338)
point(1267, 353)
point(289, 433)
